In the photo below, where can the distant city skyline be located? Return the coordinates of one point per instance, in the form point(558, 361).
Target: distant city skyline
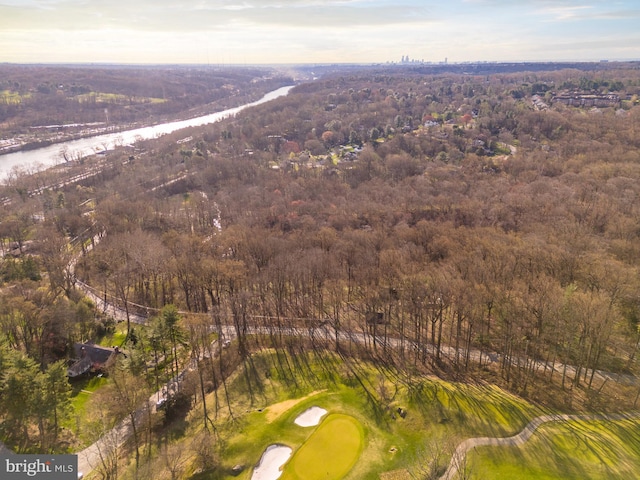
point(316, 31)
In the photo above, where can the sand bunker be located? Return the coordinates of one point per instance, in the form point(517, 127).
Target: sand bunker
point(275, 410)
point(271, 462)
point(310, 417)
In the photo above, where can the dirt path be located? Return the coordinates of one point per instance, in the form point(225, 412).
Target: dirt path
point(459, 456)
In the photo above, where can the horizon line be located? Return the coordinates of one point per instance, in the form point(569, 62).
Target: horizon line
point(289, 64)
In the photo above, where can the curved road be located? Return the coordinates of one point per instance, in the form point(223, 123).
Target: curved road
point(92, 456)
point(459, 456)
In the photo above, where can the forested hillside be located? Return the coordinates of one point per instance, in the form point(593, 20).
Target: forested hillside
point(43, 104)
point(473, 226)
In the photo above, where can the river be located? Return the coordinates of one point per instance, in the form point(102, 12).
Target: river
point(51, 155)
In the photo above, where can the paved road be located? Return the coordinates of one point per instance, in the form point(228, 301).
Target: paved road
point(93, 456)
point(117, 313)
point(90, 457)
point(459, 456)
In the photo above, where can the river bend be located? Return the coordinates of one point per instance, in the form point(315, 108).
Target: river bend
point(51, 155)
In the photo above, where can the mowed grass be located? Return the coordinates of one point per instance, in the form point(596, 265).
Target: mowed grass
point(251, 434)
point(81, 399)
point(271, 389)
point(481, 410)
point(115, 338)
point(584, 450)
point(330, 453)
point(432, 409)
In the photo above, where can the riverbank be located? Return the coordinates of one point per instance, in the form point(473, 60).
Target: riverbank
point(45, 136)
point(76, 149)
point(27, 142)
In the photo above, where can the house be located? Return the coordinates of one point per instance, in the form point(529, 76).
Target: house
point(538, 103)
point(91, 357)
point(581, 99)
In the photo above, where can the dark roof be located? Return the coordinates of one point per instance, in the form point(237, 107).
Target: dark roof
point(89, 355)
point(80, 367)
point(96, 353)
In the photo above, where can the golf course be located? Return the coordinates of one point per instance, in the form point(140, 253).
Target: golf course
point(411, 430)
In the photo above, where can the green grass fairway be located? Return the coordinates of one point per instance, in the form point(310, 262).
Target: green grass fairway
point(435, 410)
point(594, 450)
point(331, 451)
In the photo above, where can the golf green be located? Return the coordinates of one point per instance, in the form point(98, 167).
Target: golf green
point(330, 452)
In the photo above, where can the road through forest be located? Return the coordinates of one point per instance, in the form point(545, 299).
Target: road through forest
point(90, 458)
point(102, 450)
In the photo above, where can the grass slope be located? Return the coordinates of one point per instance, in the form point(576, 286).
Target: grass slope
point(594, 450)
point(274, 388)
point(434, 409)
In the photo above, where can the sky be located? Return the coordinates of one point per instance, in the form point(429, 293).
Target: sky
point(316, 31)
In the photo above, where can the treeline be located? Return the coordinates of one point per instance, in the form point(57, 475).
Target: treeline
point(38, 95)
point(32, 397)
point(529, 255)
point(444, 218)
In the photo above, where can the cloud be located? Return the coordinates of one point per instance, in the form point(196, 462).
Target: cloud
point(308, 30)
point(180, 16)
point(566, 13)
point(595, 11)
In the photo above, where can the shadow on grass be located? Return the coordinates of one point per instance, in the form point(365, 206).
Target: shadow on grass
point(571, 450)
point(472, 410)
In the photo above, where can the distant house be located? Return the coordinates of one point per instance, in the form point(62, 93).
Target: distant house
point(538, 103)
point(91, 358)
point(580, 99)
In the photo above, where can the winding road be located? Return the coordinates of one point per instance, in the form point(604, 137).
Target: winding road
point(90, 458)
point(95, 455)
point(458, 460)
